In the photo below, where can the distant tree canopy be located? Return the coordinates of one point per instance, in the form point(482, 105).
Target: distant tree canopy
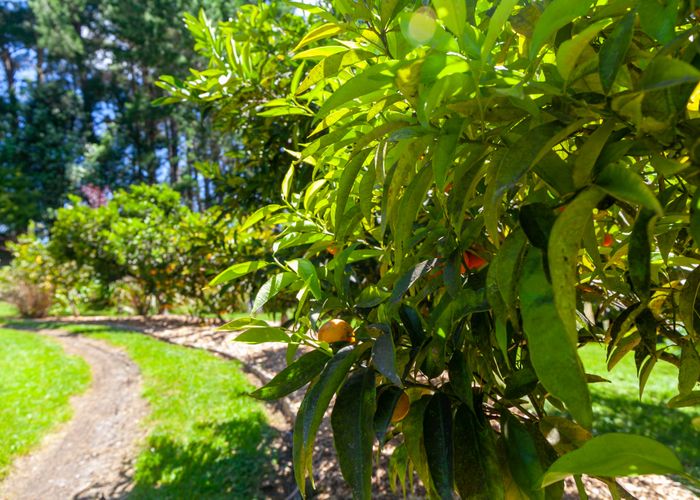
point(77, 106)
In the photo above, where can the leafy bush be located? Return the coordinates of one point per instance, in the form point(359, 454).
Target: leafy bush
point(493, 185)
point(142, 251)
point(25, 283)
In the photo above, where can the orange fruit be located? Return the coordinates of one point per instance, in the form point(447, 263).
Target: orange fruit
point(608, 240)
point(333, 249)
point(336, 330)
point(401, 408)
point(473, 261)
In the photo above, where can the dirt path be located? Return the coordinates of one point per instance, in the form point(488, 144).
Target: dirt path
point(91, 456)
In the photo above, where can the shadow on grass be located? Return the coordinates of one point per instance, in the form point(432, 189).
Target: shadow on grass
point(670, 426)
point(234, 459)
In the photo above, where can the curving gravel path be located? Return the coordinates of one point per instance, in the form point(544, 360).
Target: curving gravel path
point(92, 455)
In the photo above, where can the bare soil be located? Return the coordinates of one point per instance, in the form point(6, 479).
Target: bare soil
point(92, 455)
point(263, 361)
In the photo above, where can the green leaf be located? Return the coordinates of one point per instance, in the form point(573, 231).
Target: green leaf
point(386, 402)
point(694, 226)
point(552, 348)
point(664, 71)
point(496, 23)
point(615, 455)
point(658, 19)
point(689, 305)
point(453, 13)
point(689, 371)
point(319, 33)
point(537, 220)
point(330, 66)
point(272, 287)
point(445, 154)
point(307, 271)
point(437, 435)
point(326, 51)
point(623, 183)
point(562, 253)
point(412, 427)
point(570, 50)
point(371, 79)
point(314, 406)
point(639, 253)
point(588, 154)
point(558, 14)
point(409, 206)
point(461, 378)
point(347, 180)
point(477, 469)
point(262, 334)
point(258, 215)
point(683, 400)
point(612, 53)
point(238, 270)
point(293, 377)
point(384, 358)
point(408, 279)
point(352, 423)
point(523, 459)
point(516, 161)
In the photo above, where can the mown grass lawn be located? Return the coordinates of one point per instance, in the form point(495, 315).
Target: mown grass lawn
point(207, 438)
point(37, 379)
point(617, 407)
point(7, 311)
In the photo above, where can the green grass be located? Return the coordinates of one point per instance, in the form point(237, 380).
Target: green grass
point(617, 407)
point(36, 381)
point(7, 311)
point(206, 438)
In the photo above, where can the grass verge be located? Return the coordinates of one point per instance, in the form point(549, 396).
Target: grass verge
point(618, 408)
point(37, 380)
point(206, 438)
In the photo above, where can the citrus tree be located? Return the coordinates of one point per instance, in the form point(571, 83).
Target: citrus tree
point(493, 185)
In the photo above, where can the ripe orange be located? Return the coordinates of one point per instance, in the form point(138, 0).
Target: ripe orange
point(473, 261)
point(333, 249)
point(401, 408)
point(608, 240)
point(336, 330)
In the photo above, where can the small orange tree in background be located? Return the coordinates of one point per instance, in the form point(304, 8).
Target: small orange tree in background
point(492, 185)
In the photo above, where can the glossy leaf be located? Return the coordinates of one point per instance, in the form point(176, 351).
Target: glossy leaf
point(237, 271)
point(689, 371)
point(523, 458)
point(262, 334)
point(477, 469)
point(319, 33)
point(437, 434)
point(557, 14)
point(624, 184)
point(496, 23)
point(293, 377)
point(271, 288)
point(612, 53)
point(384, 358)
point(386, 402)
point(314, 406)
point(689, 303)
point(614, 455)
point(563, 248)
point(516, 161)
point(552, 350)
point(639, 256)
point(352, 423)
